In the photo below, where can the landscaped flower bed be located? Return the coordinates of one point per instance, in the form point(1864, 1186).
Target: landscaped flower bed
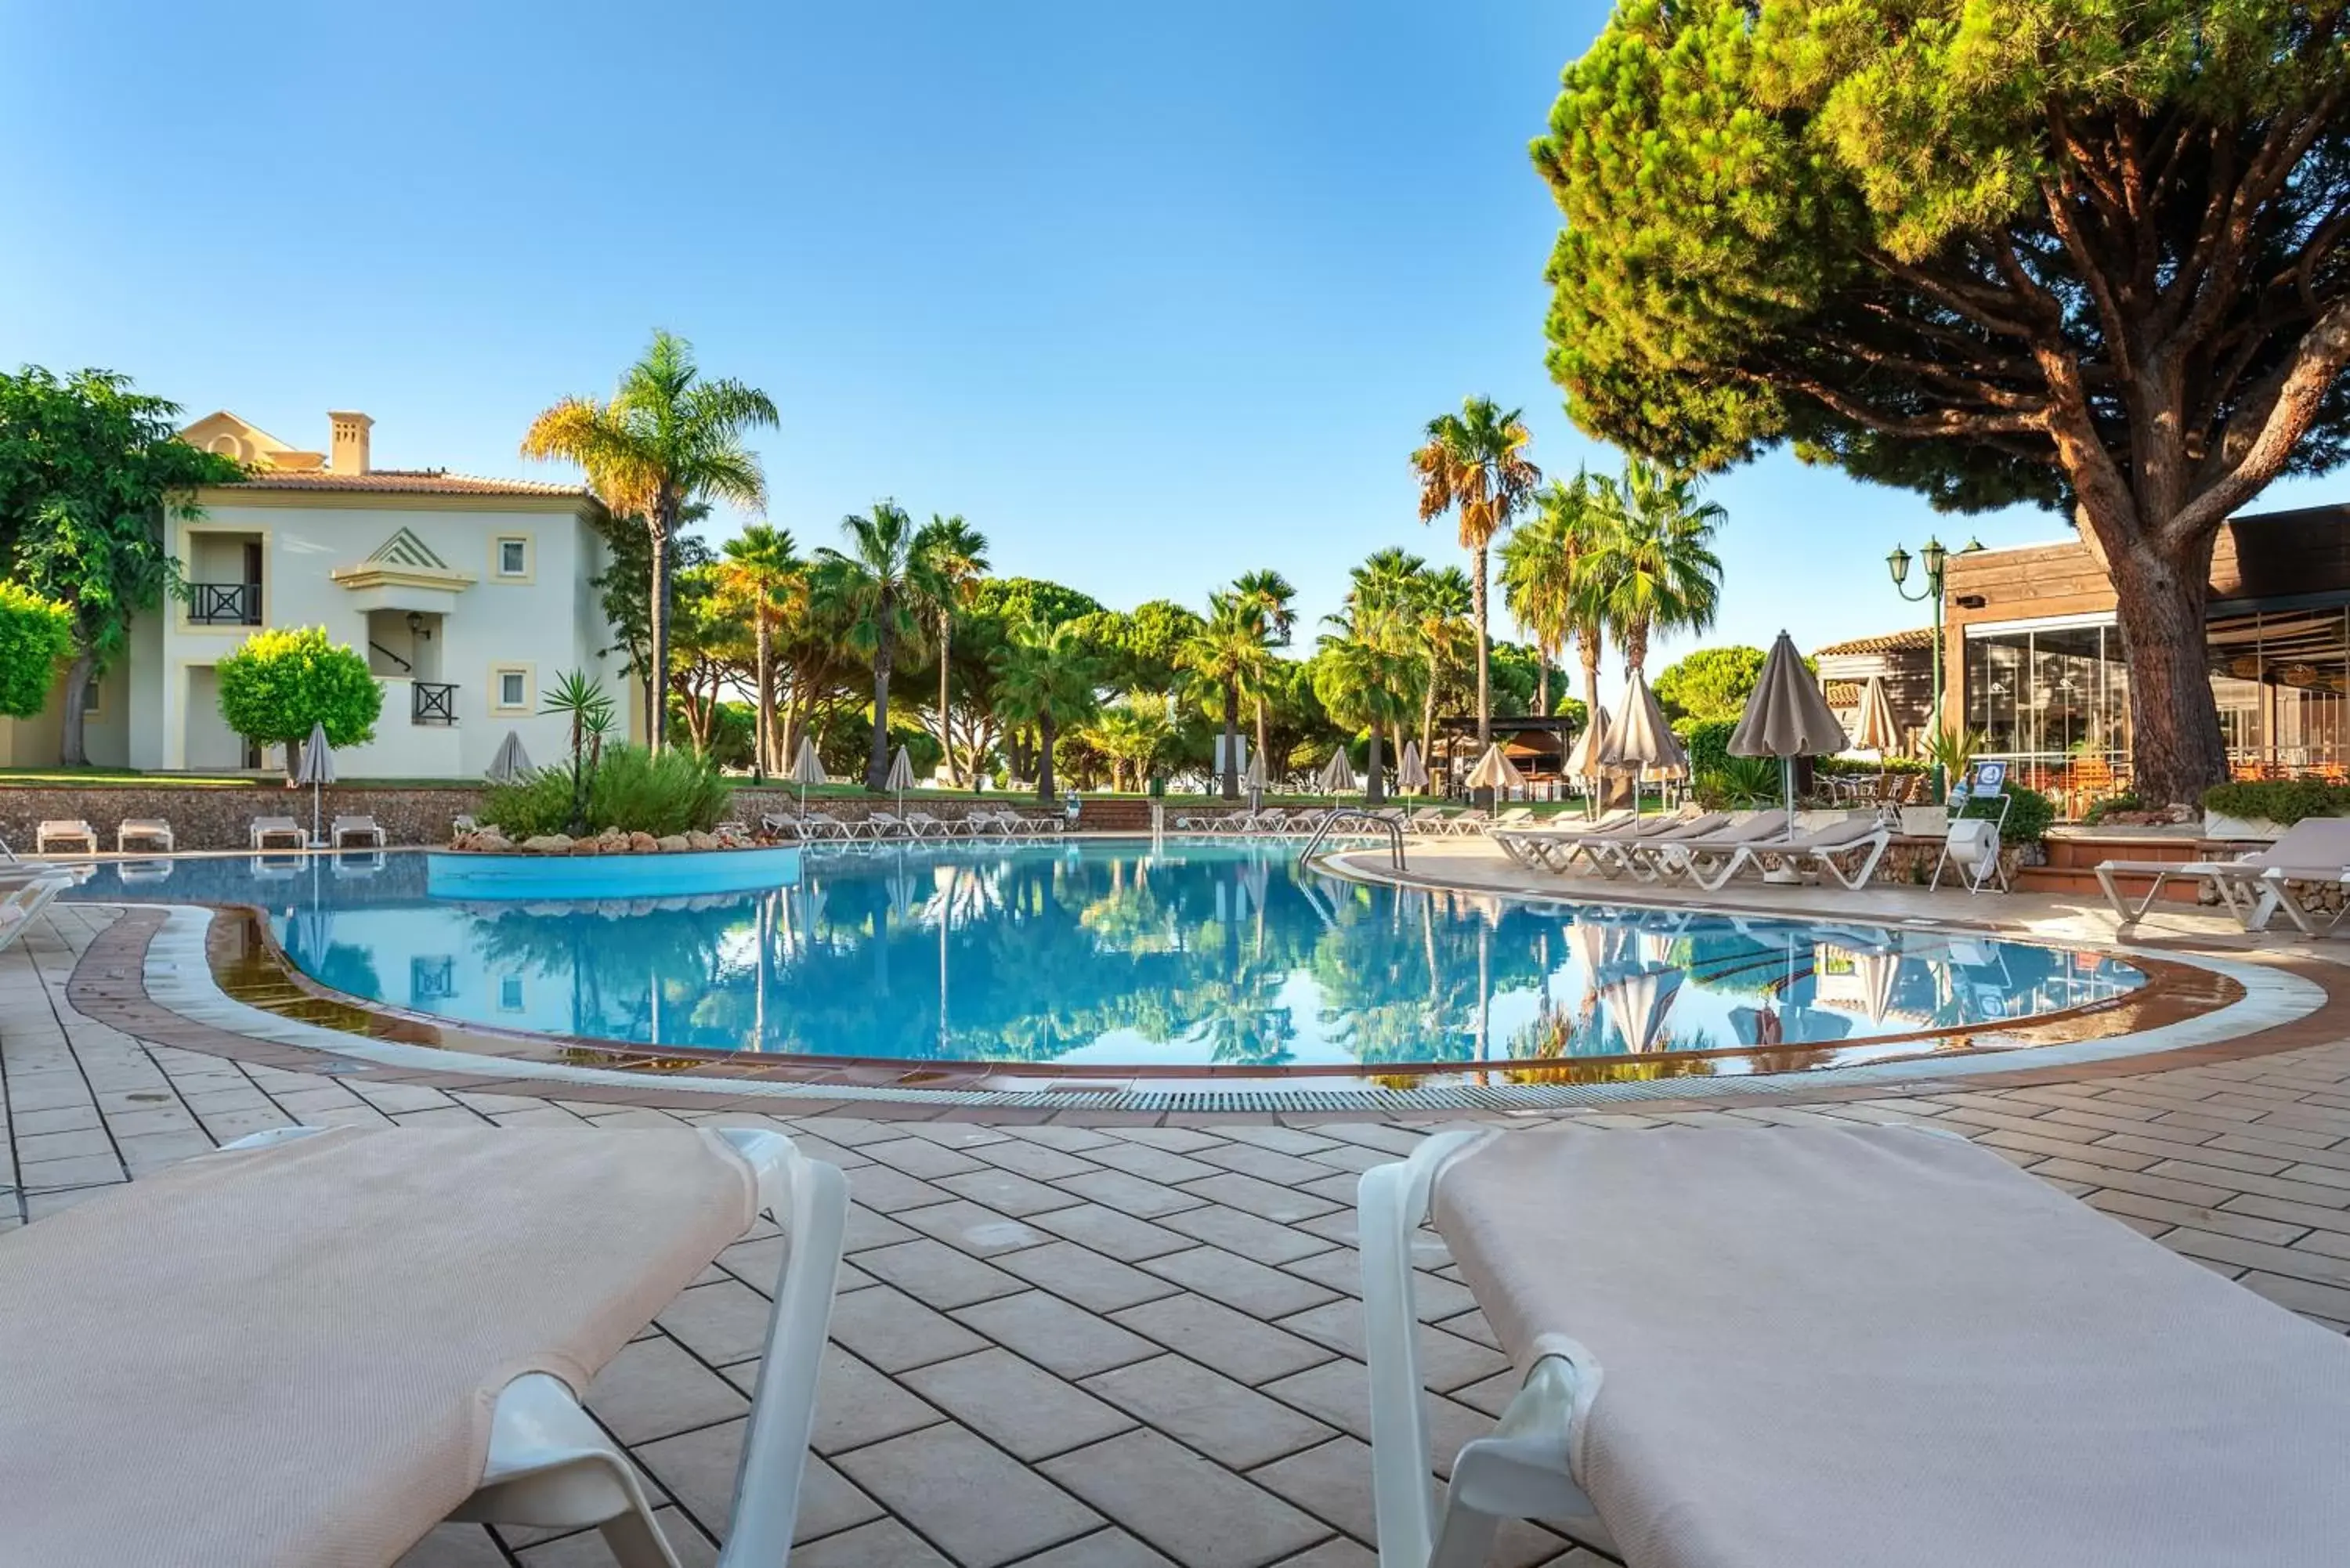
point(612, 841)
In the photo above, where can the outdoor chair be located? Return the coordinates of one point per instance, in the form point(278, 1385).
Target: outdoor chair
point(823, 824)
point(1689, 856)
point(882, 825)
point(922, 825)
point(264, 1356)
point(1613, 855)
point(61, 834)
point(780, 825)
point(24, 901)
point(343, 829)
point(279, 830)
point(1266, 822)
point(152, 831)
point(2315, 849)
point(1964, 1367)
point(1430, 821)
point(1821, 849)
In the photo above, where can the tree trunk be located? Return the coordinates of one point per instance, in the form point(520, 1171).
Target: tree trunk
point(1260, 739)
point(763, 724)
point(2176, 746)
point(1484, 659)
point(73, 742)
point(1044, 758)
point(946, 725)
point(877, 761)
point(1374, 787)
point(1541, 679)
point(657, 721)
point(1232, 737)
point(1428, 728)
point(1636, 649)
point(1590, 649)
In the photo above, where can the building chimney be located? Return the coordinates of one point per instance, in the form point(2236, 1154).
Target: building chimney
point(350, 443)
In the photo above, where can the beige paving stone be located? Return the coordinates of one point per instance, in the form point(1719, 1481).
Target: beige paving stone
point(720, 1323)
point(1111, 1548)
point(968, 1227)
point(1034, 1160)
point(1063, 1339)
point(455, 1546)
point(1128, 1194)
point(884, 1543)
point(1237, 1231)
point(1333, 1483)
point(1228, 1421)
point(32, 1149)
point(1026, 1412)
point(1117, 1235)
point(895, 1332)
point(1446, 1360)
point(1086, 1277)
point(1265, 1199)
point(1194, 1511)
point(79, 1170)
point(1232, 1342)
point(1008, 1191)
point(870, 1227)
point(1338, 1394)
point(653, 1389)
point(1153, 1164)
point(886, 1190)
point(855, 1405)
point(974, 1503)
point(1266, 1164)
point(936, 1275)
point(1239, 1283)
point(586, 1547)
point(919, 1157)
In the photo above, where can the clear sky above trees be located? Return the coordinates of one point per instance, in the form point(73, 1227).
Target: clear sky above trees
point(1180, 243)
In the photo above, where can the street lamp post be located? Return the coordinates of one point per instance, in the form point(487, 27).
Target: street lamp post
point(1933, 557)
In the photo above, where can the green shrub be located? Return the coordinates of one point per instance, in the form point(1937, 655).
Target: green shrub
point(36, 635)
point(1736, 782)
point(2030, 813)
point(2099, 811)
point(1708, 740)
point(2284, 801)
point(632, 790)
point(279, 683)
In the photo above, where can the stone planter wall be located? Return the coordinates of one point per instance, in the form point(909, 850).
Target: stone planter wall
point(221, 816)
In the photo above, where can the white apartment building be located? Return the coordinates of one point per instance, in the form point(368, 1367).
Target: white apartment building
point(468, 597)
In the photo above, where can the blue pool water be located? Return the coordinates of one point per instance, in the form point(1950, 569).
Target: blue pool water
point(1102, 954)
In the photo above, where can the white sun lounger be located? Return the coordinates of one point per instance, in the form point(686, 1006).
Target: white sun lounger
point(1687, 857)
point(1822, 847)
point(152, 831)
point(343, 829)
point(64, 834)
point(269, 1356)
point(2251, 886)
point(279, 829)
point(1799, 1345)
point(24, 901)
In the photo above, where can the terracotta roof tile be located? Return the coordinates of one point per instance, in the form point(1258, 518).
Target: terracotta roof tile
point(1885, 643)
point(408, 481)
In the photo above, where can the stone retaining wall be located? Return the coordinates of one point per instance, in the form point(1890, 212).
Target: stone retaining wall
point(221, 816)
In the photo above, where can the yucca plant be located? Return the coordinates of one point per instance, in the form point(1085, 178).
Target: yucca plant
point(1951, 752)
point(584, 702)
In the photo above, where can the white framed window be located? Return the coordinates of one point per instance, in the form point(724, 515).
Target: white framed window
point(510, 688)
point(510, 558)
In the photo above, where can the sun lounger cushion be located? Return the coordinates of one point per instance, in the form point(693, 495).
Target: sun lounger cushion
point(290, 1355)
point(1885, 1346)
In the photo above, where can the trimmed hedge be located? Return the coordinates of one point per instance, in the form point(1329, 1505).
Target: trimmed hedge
point(2282, 801)
point(2030, 814)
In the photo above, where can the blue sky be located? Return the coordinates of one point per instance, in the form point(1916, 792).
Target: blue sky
point(1152, 296)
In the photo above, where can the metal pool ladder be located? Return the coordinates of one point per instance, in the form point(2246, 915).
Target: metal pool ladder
point(1393, 829)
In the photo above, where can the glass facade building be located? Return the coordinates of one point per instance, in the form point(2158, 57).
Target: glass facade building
point(2053, 696)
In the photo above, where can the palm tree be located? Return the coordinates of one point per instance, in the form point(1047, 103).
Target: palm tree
point(1268, 594)
point(1653, 560)
point(1387, 579)
point(1133, 732)
point(876, 589)
point(1226, 652)
point(1541, 579)
point(668, 439)
point(1439, 605)
point(1474, 464)
point(957, 553)
point(1365, 676)
point(1046, 677)
point(762, 572)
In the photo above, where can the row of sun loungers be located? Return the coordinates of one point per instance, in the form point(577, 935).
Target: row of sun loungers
point(823, 827)
point(1964, 1364)
point(1276, 822)
point(153, 833)
point(1706, 850)
point(2252, 886)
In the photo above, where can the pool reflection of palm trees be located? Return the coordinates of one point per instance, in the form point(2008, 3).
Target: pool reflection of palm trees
point(1221, 955)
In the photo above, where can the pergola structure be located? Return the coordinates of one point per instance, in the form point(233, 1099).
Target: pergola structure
point(1538, 745)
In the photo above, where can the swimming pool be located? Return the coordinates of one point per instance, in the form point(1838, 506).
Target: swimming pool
point(1101, 955)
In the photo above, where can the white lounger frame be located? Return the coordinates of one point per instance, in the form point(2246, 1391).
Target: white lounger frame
point(1519, 1472)
point(551, 1466)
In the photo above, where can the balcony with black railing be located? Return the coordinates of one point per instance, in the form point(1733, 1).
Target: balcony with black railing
point(224, 604)
point(433, 703)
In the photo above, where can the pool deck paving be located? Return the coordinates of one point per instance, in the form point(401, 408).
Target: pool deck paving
point(1072, 1346)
